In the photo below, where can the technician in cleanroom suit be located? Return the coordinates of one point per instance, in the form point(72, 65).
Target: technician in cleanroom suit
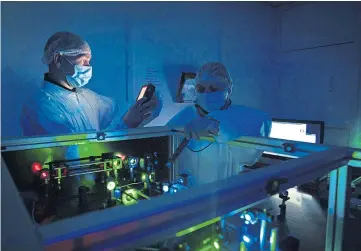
point(214, 113)
point(64, 106)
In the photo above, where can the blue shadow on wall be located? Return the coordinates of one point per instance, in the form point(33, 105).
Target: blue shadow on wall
point(173, 73)
point(16, 90)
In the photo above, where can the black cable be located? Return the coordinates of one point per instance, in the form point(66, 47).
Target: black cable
point(198, 106)
point(186, 141)
point(197, 151)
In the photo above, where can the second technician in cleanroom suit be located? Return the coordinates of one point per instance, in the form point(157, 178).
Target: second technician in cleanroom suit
point(214, 113)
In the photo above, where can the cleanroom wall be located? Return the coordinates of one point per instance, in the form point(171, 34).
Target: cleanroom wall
point(320, 67)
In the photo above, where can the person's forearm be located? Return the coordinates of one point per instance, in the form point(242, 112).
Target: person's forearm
point(117, 125)
point(122, 124)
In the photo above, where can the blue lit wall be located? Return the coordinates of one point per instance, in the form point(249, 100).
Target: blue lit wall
point(320, 68)
point(133, 42)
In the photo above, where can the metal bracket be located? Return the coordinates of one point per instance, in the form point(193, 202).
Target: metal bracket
point(273, 185)
point(101, 136)
point(289, 148)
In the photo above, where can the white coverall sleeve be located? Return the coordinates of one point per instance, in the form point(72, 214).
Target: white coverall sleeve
point(183, 117)
point(241, 121)
point(110, 114)
point(44, 118)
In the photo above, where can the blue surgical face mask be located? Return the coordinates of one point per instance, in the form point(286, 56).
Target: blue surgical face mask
point(212, 101)
point(82, 75)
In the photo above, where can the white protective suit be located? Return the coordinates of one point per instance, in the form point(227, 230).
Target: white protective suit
point(218, 160)
point(57, 111)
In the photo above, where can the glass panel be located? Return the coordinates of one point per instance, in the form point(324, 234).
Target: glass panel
point(161, 207)
point(64, 181)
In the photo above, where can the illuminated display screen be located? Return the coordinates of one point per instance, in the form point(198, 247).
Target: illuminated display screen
point(142, 92)
point(186, 88)
point(303, 131)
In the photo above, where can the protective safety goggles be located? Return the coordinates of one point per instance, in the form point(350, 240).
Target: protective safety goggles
point(72, 52)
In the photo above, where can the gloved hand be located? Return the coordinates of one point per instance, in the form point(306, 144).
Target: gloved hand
point(200, 127)
point(140, 111)
point(156, 111)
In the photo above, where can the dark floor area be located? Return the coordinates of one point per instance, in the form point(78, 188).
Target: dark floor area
point(306, 219)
